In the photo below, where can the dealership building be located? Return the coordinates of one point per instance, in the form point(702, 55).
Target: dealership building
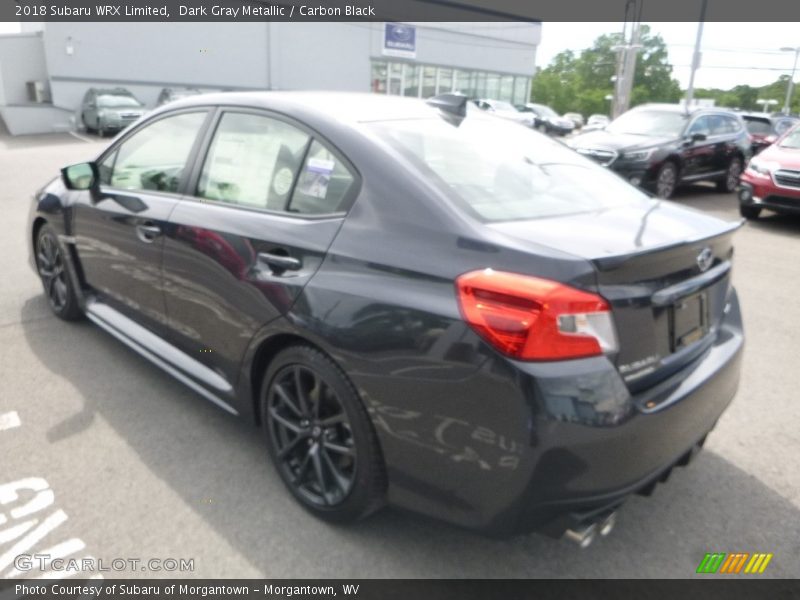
point(46, 69)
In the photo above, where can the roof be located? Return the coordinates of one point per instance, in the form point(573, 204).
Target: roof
point(680, 108)
point(340, 106)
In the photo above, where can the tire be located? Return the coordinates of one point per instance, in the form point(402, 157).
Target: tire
point(50, 264)
point(750, 212)
point(667, 180)
point(541, 127)
point(86, 125)
point(322, 441)
point(732, 173)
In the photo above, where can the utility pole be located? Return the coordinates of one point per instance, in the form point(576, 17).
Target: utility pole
point(696, 55)
point(787, 106)
point(626, 57)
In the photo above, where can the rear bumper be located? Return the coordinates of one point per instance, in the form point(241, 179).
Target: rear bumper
point(518, 447)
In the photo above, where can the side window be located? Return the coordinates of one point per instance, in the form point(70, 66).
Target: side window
point(106, 168)
point(154, 157)
point(323, 184)
point(733, 125)
point(716, 125)
point(253, 161)
point(701, 125)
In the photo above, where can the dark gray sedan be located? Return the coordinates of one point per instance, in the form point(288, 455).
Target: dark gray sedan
point(418, 305)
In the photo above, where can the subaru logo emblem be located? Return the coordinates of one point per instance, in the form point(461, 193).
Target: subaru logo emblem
point(704, 259)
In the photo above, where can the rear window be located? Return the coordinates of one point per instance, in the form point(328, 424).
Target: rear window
point(758, 126)
point(501, 172)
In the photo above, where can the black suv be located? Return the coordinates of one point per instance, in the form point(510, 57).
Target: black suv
point(660, 146)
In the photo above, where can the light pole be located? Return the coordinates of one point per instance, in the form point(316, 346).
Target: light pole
point(787, 105)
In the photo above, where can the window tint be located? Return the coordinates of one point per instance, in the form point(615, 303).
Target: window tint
point(106, 168)
point(323, 184)
point(154, 157)
point(701, 125)
point(733, 125)
point(501, 171)
point(759, 126)
point(253, 161)
point(717, 125)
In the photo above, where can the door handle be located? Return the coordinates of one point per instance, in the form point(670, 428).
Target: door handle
point(280, 262)
point(147, 232)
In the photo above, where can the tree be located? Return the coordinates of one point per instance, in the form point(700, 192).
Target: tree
point(581, 83)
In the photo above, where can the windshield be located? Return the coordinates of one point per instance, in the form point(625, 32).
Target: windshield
point(117, 102)
point(543, 110)
point(504, 106)
point(649, 122)
point(792, 140)
point(503, 172)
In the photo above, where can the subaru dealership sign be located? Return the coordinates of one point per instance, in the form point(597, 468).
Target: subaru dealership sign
point(400, 40)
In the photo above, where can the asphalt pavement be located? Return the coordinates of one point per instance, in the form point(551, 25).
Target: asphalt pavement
point(103, 455)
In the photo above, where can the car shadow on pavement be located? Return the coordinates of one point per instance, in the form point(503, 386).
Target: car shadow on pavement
point(201, 452)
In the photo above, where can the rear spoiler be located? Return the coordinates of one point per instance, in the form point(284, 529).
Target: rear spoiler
point(609, 263)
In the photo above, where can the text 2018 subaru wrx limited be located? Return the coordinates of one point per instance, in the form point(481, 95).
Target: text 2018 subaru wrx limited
point(419, 304)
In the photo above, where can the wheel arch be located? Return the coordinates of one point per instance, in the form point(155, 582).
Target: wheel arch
point(265, 351)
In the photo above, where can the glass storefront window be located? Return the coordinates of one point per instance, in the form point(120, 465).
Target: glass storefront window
point(378, 77)
point(506, 88)
point(396, 79)
point(445, 84)
point(521, 87)
point(428, 82)
point(493, 86)
point(423, 81)
point(411, 81)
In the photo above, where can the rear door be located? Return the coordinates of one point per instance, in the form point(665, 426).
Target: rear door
point(266, 200)
point(119, 231)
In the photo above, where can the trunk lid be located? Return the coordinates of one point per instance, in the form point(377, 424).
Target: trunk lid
point(665, 270)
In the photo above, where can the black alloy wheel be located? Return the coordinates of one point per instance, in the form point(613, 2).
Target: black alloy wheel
point(52, 271)
point(666, 180)
point(732, 174)
point(320, 437)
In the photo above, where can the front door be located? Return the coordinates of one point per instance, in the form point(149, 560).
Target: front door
point(120, 230)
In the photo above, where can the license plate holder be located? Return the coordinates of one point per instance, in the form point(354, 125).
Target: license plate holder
point(688, 320)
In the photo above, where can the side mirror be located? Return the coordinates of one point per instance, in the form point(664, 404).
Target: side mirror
point(82, 176)
point(698, 137)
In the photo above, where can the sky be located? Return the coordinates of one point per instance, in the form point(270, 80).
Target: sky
point(733, 53)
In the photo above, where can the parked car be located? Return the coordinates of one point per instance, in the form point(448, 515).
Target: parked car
point(765, 129)
point(547, 120)
point(772, 179)
point(661, 146)
point(504, 110)
point(418, 304)
point(110, 110)
point(595, 122)
point(576, 118)
point(172, 94)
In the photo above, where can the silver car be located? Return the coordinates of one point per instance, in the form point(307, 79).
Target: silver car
point(110, 110)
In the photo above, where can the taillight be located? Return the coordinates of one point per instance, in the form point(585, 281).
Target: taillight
point(530, 318)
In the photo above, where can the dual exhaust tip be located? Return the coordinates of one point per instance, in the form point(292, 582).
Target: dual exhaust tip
point(585, 533)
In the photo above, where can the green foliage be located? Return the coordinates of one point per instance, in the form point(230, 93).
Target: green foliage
point(745, 96)
point(580, 83)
